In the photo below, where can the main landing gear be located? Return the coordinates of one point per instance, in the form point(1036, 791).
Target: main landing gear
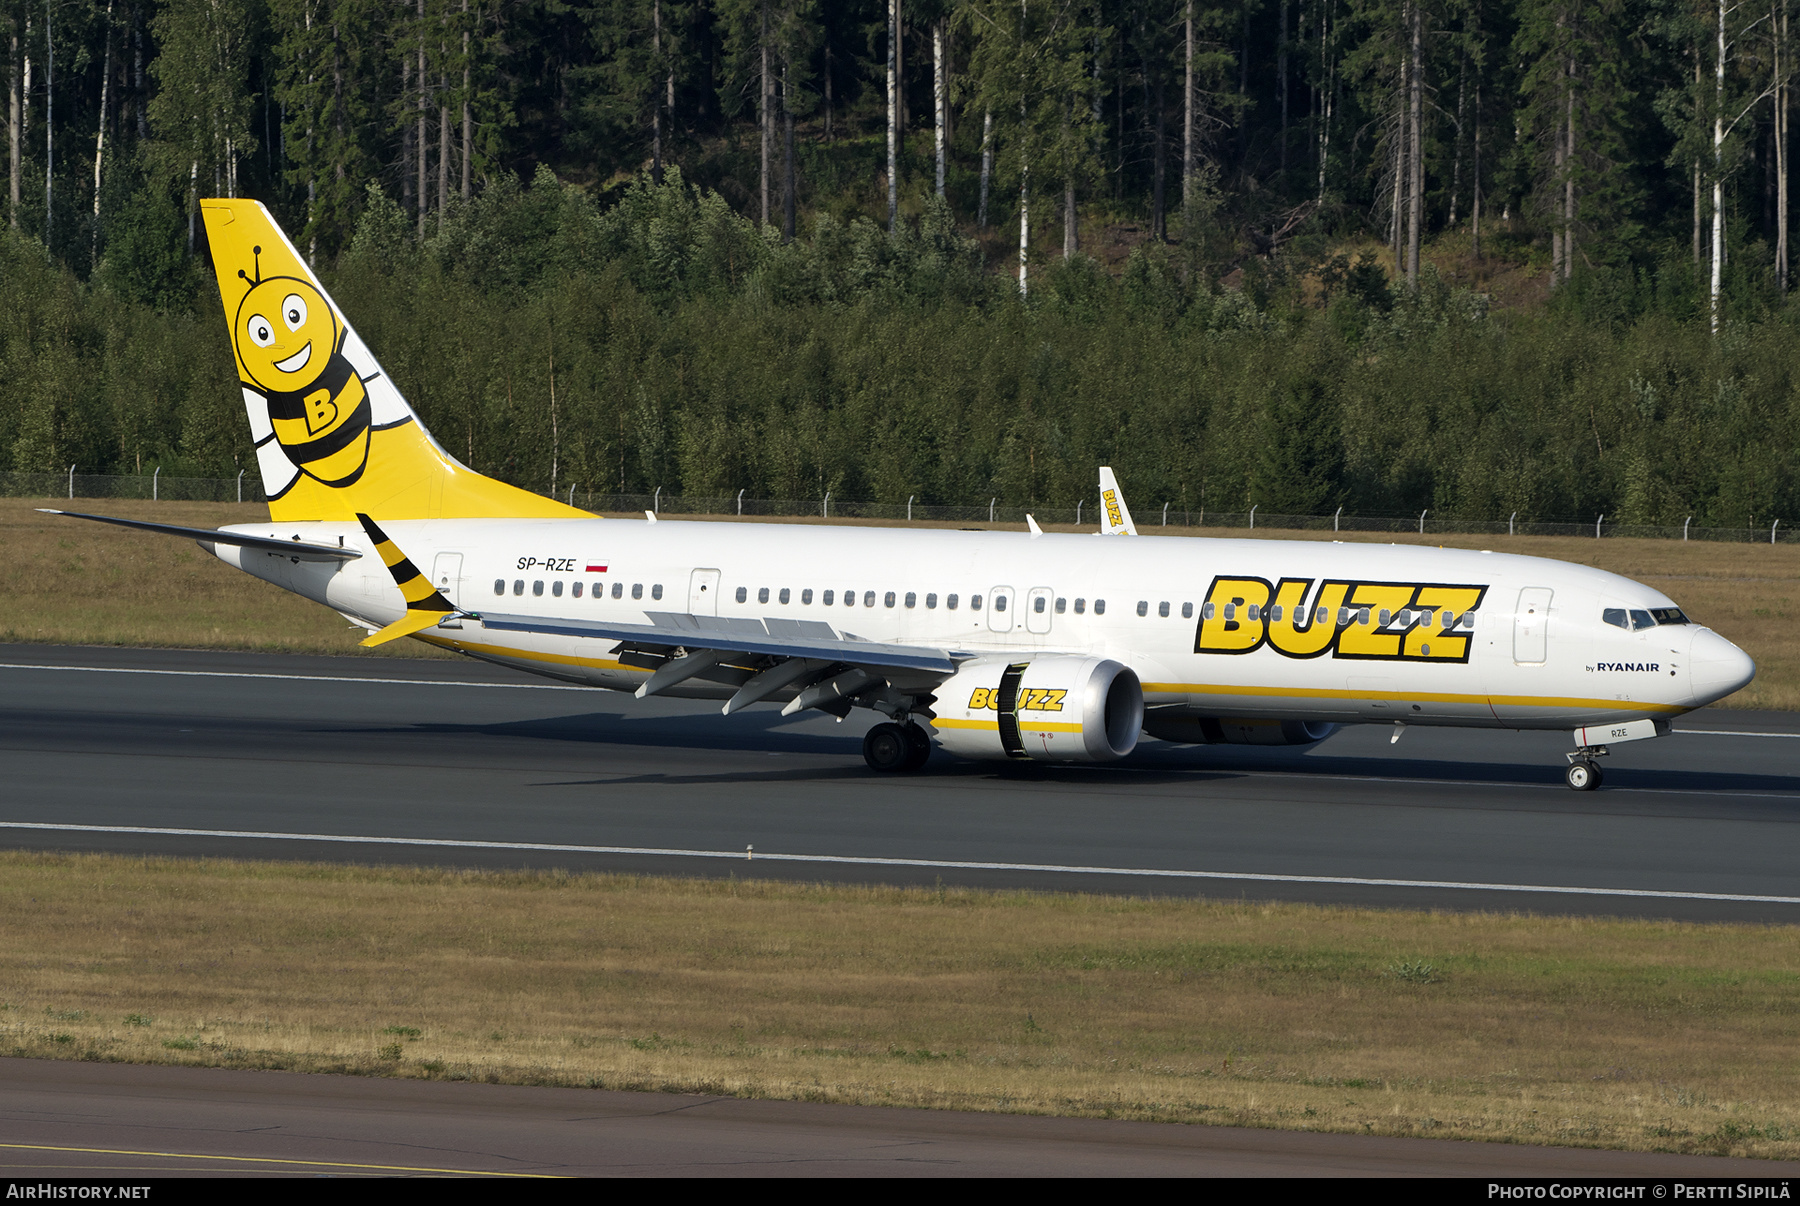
point(896, 749)
point(1584, 773)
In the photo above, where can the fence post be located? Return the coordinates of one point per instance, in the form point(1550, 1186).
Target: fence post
point(1078, 503)
point(1253, 517)
point(1684, 526)
point(826, 512)
point(155, 480)
point(1334, 519)
point(991, 503)
point(656, 502)
point(909, 499)
point(571, 494)
point(1422, 515)
point(1772, 531)
point(1509, 522)
point(240, 485)
point(71, 481)
point(1597, 523)
point(1165, 515)
point(741, 501)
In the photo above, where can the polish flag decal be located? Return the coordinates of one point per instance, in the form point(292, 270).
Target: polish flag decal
point(596, 569)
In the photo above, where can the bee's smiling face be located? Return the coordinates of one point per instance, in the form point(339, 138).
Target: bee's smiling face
point(286, 334)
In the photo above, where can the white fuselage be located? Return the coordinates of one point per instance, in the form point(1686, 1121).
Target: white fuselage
point(1527, 644)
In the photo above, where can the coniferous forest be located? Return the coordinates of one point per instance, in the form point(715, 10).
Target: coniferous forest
point(1476, 256)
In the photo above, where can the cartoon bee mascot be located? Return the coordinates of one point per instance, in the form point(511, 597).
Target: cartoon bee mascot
point(290, 350)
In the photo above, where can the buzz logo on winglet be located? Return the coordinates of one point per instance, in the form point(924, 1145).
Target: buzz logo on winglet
point(425, 604)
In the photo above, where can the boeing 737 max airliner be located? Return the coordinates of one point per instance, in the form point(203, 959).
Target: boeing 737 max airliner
point(1002, 645)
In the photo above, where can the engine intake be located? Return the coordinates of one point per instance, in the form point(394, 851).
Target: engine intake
point(1210, 730)
point(1048, 709)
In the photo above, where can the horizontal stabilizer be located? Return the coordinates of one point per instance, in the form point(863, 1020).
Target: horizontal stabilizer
point(406, 625)
point(298, 549)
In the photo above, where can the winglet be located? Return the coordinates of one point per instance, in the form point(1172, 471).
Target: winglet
point(425, 605)
point(1115, 516)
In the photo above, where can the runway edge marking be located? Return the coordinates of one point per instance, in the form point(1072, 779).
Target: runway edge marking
point(926, 864)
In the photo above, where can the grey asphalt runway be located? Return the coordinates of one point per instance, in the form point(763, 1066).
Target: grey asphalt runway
point(75, 1120)
point(439, 762)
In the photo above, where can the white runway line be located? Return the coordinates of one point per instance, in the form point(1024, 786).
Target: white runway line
point(303, 678)
point(927, 864)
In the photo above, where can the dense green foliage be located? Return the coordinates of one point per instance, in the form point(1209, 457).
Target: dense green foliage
point(693, 351)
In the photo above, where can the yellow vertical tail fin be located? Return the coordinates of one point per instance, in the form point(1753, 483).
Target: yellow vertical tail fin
point(333, 435)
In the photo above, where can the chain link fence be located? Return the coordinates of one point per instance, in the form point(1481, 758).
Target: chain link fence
point(247, 487)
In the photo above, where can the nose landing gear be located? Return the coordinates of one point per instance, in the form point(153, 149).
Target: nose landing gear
point(1584, 773)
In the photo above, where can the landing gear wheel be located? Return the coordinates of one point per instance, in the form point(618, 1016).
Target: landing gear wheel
point(918, 748)
point(887, 748)
point(1584, 776)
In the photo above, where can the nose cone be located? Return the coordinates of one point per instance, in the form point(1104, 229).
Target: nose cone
point(1716, 667)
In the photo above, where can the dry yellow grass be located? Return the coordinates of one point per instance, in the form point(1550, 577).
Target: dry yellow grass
point(66, 581)
point(1623, 1034)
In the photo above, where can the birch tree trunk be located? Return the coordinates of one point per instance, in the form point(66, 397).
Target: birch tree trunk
point(656, 104)
point(1415, 209)
point(893, 116)
point(1569, 182)
point(100, 135)
point(1024, 219)
point(424, 112)
point(468, 117)
point(1187, 112)
point(1328, 73)
point(1718, 172)
point(1475, 184)
point(1780, 22)
point(14, 126)
point(766, 88)
point(987, 166)
point(788, 199)
point(939, 99)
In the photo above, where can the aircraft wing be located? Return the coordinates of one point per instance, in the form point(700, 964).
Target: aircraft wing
point(771, 637)
point(829, 669)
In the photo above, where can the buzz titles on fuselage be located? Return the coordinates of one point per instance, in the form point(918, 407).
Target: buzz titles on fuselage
point(1371, 621)
point(290, 349)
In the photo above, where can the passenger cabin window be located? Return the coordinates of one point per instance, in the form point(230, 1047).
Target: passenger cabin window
point(1187, 611)
point(827, 597)
point(762, 596)
point(518, 586)
point(556, 588)
point(806, 596)
point(637, 590)
point(931, 602)
point(849, 598)
point(1206, 613)
point(576, 590)
point(1099, 607)
point(974, 602)
point(868, 598)
point(656, 591)
point(499, 586)
point(1254, 611)
point(999, 602)
point(743, 594)
point(784, 596)
point(887, 600)
point(1080, 606)
point(618, 590)
point(1162, 609)
point(1144, 608)
point(1062, 605)
point(949, 602)
point(537, 586)
point(912, 600)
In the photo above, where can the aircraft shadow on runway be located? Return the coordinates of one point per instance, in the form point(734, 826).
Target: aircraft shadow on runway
point(1155, 763)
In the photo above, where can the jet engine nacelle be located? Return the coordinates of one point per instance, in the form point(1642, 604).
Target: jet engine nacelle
point(1209, 730)
point(1058, 708)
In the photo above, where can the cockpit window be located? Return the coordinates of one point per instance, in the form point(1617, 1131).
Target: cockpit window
point(1669, 615)
point(1616, 617)
point(1638, 619)
point(1641, 620)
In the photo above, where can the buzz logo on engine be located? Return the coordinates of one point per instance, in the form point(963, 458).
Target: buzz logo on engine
point(1031, 699)
point(1359, 621)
